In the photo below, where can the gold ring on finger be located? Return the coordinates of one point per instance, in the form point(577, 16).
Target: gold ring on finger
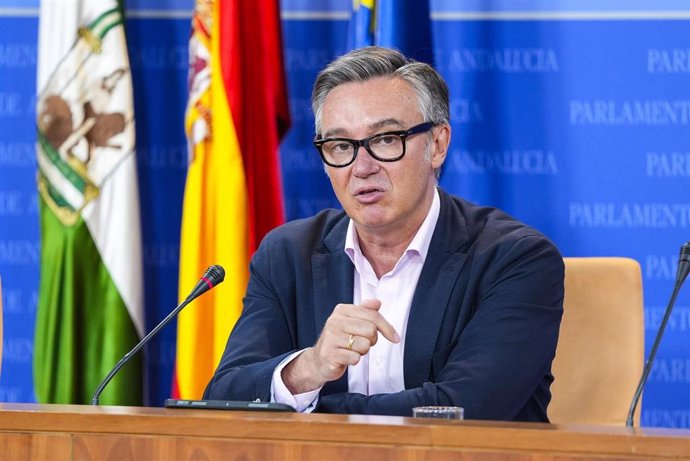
point(350, 341)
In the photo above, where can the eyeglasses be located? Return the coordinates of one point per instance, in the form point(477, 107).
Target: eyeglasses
point(384, 147)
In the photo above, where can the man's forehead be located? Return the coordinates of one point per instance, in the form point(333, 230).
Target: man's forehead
point(389, 122)
point(383, 82)
point(372, 105)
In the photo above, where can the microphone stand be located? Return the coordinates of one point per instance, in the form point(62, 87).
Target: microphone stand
point(681, 275)
point(213, 276)
point(137, 348)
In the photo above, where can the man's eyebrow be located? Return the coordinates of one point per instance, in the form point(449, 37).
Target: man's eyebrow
point(335, 132)
point(387, 122)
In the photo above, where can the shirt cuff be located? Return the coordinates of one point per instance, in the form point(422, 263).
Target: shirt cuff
point(303, 403)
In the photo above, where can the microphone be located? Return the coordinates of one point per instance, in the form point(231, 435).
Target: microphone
point(681, 275)
point(212, 277)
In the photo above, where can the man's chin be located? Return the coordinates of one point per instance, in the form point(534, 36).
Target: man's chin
point(371, 221)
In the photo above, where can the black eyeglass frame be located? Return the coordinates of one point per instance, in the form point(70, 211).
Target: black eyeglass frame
point(356, 144)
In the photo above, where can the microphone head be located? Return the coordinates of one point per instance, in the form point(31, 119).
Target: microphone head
point(215, 274)
point(683, 264)
point(685, 251)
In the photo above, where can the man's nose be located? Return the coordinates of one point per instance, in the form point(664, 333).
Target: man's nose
point(364, 163)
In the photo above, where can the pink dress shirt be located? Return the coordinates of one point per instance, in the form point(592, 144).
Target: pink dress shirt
point(381, 370)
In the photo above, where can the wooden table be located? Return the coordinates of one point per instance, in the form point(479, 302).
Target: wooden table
point(66, 432)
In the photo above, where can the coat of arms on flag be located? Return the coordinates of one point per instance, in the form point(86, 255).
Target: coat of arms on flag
point(85, 120)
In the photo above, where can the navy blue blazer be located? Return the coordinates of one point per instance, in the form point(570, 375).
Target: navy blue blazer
point(483, 323)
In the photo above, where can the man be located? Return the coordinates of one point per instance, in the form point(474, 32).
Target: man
point(409, 296)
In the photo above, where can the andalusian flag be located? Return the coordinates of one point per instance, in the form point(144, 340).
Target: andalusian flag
point(236, 115)
point(403, 25)
point(90, 296)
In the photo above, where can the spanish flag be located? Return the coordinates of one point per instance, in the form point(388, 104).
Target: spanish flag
point(236, 115)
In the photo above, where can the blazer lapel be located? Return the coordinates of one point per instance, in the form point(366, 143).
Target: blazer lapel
point(439, 276)
point(333, 282)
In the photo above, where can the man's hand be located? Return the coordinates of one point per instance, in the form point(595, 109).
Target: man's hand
point(348, 334)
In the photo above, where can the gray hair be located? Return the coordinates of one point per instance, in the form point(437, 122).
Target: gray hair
point(371, 62)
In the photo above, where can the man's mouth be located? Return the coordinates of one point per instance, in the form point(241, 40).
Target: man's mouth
point(367, 190)
point(367, 194)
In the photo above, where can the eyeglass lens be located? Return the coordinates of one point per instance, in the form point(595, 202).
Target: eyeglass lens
point(384, 146)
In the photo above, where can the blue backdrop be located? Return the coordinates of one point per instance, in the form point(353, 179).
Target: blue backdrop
point(573, 116)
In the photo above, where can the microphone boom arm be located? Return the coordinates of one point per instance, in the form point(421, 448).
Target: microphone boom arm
point(212, 277)
point(681, 275)
point(648, 365)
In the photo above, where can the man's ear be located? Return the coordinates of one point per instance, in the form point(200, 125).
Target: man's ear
point(441, 141)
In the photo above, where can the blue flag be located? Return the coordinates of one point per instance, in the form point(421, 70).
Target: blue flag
point(361, 29)
point(404, 25)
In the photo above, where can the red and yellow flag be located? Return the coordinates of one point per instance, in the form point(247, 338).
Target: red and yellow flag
point(236, 114)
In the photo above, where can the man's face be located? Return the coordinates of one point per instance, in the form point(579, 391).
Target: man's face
point(383, 197)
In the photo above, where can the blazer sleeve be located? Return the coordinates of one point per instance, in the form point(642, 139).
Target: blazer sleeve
point(498, 365)
point(262, 337)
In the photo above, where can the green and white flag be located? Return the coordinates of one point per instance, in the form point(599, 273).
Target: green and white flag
point(90, 307)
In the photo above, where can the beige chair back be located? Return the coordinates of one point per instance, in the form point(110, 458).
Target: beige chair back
point(600, 350)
